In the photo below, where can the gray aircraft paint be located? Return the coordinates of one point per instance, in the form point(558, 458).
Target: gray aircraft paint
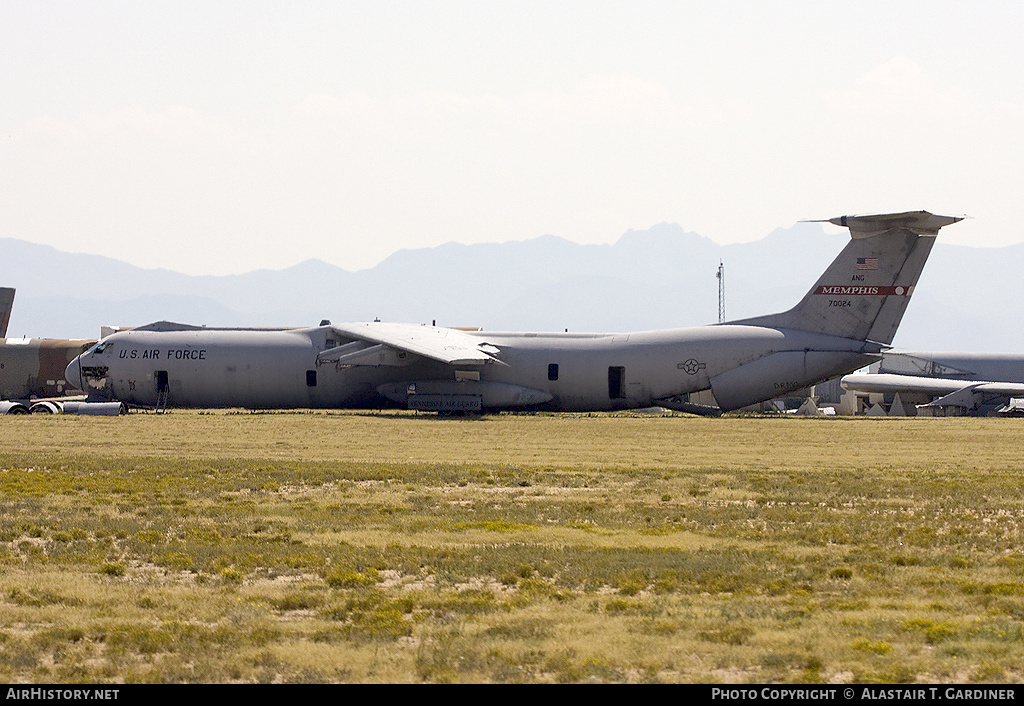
point(843, 323)
point(976, 382)
point(997, 367)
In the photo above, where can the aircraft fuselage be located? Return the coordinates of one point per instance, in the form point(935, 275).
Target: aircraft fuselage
point(35, 367)
point(555, 371)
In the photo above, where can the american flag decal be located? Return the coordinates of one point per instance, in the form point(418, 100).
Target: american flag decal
point(867, 263)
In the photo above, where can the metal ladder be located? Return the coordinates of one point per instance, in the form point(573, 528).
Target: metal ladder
point(161, 400)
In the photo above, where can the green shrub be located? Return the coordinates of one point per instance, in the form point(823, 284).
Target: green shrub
point(113, 568)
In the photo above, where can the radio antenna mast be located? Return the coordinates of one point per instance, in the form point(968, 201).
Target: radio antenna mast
point(721, 291)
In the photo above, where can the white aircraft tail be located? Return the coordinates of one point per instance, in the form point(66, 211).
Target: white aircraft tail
point(6, 304)
point(864, 292)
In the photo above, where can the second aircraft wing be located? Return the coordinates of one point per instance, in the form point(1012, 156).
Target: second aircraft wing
point(952, 391)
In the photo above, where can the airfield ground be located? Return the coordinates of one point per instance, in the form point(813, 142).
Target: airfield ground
point(318, 547)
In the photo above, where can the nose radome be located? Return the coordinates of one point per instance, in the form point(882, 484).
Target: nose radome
point(73, 373)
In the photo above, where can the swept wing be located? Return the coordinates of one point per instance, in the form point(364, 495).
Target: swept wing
point(378, 343)
point(952, 391)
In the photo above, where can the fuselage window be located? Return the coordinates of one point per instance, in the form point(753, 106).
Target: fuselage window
point(552, 371)
point(310, 378)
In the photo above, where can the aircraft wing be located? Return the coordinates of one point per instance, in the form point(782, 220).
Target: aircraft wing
point(888, 382)
point(953, 391)
point(378, 343)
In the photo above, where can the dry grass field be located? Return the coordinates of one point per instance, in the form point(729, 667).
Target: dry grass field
point(227, 546)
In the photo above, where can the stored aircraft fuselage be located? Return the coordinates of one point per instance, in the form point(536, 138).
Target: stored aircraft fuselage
point(36, 367)
point(844, 322)
point(281, 369)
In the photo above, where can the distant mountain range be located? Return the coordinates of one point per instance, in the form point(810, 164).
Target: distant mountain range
point(662, 277)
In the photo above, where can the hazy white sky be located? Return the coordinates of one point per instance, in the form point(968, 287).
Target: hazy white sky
point(219, 137)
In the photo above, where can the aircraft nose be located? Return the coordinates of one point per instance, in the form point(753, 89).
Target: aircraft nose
point(73, 373)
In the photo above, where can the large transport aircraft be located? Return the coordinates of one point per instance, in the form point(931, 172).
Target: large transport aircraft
point(32, 369)
point(843, 323)
point(966, 383)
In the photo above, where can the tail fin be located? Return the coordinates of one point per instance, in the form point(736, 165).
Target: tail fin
point(6, 304)
point(866, 289)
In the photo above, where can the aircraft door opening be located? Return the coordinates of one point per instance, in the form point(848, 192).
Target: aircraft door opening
point(163, 390)
point(616, 382)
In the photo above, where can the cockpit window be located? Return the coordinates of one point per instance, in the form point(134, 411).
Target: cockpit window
point(100, 347)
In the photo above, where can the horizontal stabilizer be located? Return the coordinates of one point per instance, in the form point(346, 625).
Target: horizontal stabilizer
point(919, 222)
